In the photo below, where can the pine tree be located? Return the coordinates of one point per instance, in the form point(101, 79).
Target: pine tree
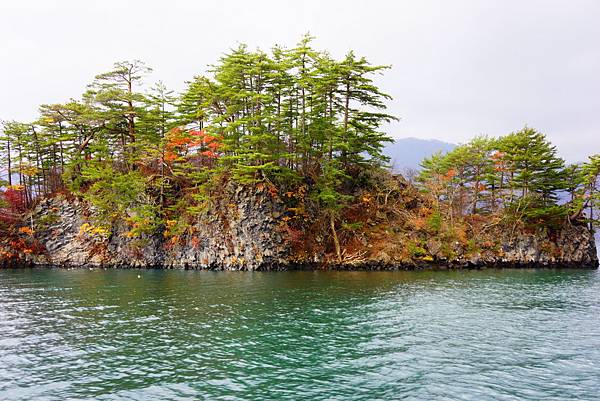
point(534, 165)
point(16, 137)
point(157, 120)
point(116, 92)
point(361, 118)
point(331, 198)
point(590, 179)
point(290, 117)
point(5, 157)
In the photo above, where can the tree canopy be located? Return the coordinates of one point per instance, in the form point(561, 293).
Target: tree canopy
point(283, 116)
point(294, 119)
point(518, 175)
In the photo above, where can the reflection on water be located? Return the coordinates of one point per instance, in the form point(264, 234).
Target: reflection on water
point(510, 334)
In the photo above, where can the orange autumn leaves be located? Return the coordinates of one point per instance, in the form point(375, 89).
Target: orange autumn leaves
point(182, 143)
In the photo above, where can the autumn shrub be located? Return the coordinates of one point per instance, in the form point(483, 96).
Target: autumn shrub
point(448, 250)
point(434, 222)
point(472, 246)
point(13, 204)
point(416, 250)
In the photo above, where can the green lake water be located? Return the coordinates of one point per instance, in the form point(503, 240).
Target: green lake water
point(178, 335)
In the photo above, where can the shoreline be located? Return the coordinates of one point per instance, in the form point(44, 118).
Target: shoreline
point(448, 266)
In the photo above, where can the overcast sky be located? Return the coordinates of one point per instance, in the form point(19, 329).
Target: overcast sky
point(460, 68)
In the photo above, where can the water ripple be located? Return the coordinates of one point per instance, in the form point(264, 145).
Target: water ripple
point(169, 335)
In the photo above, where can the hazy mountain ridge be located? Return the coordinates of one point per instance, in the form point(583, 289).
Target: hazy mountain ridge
point(409, 152)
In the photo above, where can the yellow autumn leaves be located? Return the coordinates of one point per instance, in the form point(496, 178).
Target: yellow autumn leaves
point(88, 229)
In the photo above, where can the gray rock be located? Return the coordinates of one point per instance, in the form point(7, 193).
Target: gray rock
point(243, 231)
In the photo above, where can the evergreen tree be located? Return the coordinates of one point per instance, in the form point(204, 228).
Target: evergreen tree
point(116, 93)
point(534, 165)
point(5, 157)
point(590, 199)
point(197, 103)
point(331, 199)
point(157, 120)
point(15, 137)
point(361, 118)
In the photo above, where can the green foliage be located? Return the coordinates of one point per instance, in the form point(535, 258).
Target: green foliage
point(447, 251)
point(533, 164)
point(117, 195)
point(434, 222)
point(536, 212)
point(416, 250)
point(355, 226)
point(587, 196)
point(287, 117)
point(326, 189)
point(290, 117)
point(519, 174)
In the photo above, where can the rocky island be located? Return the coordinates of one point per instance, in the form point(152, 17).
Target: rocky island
point(274, 161)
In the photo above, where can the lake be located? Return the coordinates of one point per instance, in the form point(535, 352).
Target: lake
point(177, 335)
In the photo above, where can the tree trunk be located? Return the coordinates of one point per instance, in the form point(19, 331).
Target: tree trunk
point(591, 211)
point(346, 121)
point(41, 186)
point(60, 147)
point(20, 152)
point(336, 242)
point(331, 119)
point(475, 197)
point(9, 162)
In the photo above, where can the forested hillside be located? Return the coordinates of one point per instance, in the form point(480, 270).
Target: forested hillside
point(301, 125)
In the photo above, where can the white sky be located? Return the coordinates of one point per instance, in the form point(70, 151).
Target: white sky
point(460, 68)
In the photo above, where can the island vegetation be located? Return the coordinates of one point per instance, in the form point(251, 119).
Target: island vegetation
point(303, 127)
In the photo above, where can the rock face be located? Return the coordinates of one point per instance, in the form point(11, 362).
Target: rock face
point(573, 246)
point(242, 231)
point(245, 230)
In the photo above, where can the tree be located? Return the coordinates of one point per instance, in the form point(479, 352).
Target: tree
point(461, 176)
point(434, 177)
point(361, 118)
point(53, 126)
point(519, 172)
point(13, 204)
point(17, 134)
point(573, 180)
point(331, 199)
point(6, 153)
point(196, 103)
point(535, 168)
point(590, 196)
point(289, 117)
point(116, 92)
point(157, 119)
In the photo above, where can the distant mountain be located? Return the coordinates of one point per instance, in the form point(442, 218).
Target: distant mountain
point(409, 152)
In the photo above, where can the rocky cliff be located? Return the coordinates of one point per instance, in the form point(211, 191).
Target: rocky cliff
point(246, 229)
point(240, 231)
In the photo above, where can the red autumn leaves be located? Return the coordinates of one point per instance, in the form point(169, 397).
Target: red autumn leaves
point(181, 143)
point(14, 203)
